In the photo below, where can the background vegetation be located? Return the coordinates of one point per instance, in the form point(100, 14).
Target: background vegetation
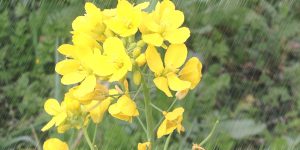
point(250, 51)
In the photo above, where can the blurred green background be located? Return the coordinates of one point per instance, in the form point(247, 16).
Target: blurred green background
point(250, 51)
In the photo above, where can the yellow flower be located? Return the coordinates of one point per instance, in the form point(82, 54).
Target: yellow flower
point(164, 24)
point(82, 67)
point(166, 73)
point(55, 144)
point(90, 24)
point(119, 61)
point(192, 72)
point(172, 121)
point(127, 18)
point(124, 109)
point(144, 146)
point(53, 108)
point(97, 109)
point(99, 93)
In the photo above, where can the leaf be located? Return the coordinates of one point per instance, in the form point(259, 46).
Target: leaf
point(240, 129)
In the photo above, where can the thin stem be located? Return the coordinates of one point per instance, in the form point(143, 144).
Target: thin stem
point(142, 124)
point(167, 142)
point(148, 110)
point(210, 134)
point(170, 107)
point(95, 133)
point(87, 138)
point(137, 92)
point(157, 108)
point(173, 103)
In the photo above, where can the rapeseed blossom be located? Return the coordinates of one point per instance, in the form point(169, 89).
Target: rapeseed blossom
point(163, 24)
point(172, 121)
point(107, 66)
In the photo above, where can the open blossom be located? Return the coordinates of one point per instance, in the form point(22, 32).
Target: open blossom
point(166, 73)
point(126, 18)
point(55, 144)
point(164, 24)
point(124, 109)
point(172, 121)
point(91, 24)
point(53, 108)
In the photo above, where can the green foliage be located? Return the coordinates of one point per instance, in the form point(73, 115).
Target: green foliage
point(250, 51)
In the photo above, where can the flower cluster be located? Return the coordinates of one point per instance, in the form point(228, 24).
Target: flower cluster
point(111, 45)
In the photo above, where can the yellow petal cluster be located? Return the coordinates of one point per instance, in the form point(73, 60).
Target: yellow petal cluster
point(172, 121)
point(55, 144)
point(109, 48)
point(164, 24)
point(124, 109)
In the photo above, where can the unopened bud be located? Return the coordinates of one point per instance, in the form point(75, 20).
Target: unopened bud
point(141, 60)
point(137, 77)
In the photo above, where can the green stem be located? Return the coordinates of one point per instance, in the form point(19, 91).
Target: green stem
point(167, 142)
point(142, 124)
point(170, 107)
point(95, 133)
point(148, 111)
point(157, 108)
point(87, 138)
point(210, 134)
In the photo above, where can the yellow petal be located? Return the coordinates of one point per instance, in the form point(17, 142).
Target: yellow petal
point(101, 65)
point(67, 66)
point(153, 39)
point(91, 9)
point(161, 131)
point(119, 74)
point(175, 56)
point(60, 118)
point(73, 77)
point(87, 86)
point(177, 36)
point(162, 84)
point(174, 114)
point(128, 106)
point(144, 146)
point(55, 144)
point(98, 112)
point(113, 46)
point(176, 84)
point(149, 24)
point(67, 50)
point(50, 124)
point(172, 19)
point(114, 109)
point(52, 107)
point(154, 60)
point(192, 72)
point(142, 6)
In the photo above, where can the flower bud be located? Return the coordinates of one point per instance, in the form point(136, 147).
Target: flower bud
point(141, 60)
point(137, 77)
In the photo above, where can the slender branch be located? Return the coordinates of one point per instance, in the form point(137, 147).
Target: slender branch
point(142, 124)
point(95, 133)
point(167, 142)
point(210, 134)
point(156, 108)
point(170, 107)
point(87, 138)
